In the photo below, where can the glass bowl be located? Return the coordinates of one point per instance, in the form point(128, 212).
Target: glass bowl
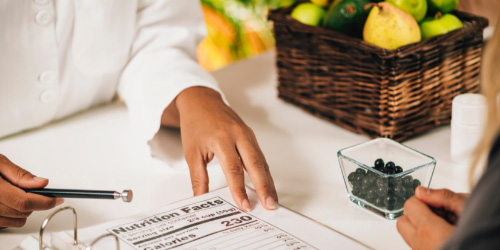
point(384, 188)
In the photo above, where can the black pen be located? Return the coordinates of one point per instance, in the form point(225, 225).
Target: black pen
point(126, 195)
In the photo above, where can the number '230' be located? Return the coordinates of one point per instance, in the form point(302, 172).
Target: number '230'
point(235, 221)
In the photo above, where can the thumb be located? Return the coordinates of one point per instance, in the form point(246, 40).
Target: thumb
point(441, 198)
point(19, 176)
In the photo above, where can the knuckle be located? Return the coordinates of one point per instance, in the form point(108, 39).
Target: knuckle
point(257, 162)
point(197, 183)
point(21, 173)
point(22, 204)
point(235, 169)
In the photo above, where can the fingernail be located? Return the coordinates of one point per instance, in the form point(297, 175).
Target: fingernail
point(36, 178)
point(246, 205)
point(59, 201)
point(271, 204)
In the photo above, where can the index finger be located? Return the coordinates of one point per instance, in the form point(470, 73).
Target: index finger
point(19, 200)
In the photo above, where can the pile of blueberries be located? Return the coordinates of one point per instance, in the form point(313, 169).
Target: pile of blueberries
point(384, 192)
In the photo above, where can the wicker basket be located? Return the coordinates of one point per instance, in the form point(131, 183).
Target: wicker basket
point(374, 91)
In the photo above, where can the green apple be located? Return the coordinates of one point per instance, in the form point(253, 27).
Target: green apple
point(435, 26)
point(443, 6)
point(309, 13)
point(416, 8)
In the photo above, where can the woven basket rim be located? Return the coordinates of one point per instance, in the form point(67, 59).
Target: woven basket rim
point(472, 24)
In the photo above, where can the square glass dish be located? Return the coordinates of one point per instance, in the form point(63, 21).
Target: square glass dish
point(381, 174)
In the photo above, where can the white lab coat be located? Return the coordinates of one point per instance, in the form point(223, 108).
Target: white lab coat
point(58, 57)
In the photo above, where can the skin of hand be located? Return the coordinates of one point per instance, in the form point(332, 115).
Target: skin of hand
point(210, 128)
point(420, 226)
point(15, 204)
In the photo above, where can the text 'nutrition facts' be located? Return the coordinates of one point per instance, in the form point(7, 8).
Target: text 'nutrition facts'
point(211, 224)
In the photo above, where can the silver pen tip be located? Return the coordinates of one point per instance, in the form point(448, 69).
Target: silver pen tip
point(127, 195)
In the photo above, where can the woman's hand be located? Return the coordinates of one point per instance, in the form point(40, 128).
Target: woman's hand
point(15, 204)
point(429, 217)
point(209, 127)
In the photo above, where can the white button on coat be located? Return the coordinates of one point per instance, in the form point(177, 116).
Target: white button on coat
point(48, 96)
point(43, 17)
point(47, 77)
point(145, 50)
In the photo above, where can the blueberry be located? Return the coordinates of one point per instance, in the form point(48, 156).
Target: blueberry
point(398, 169)
point(394, 181)
point(371, 199)
point(379, 202)
point(370, 179)
point(408, 181)
point(416, 183)
point(390, 164)
point(358, 177)
point(382, 181)
point(400, 202)
point(382, 191)
point(389, 202)
point(390, 190)
point(371, 193)
point(400, 191)
point(379, 163)
point(357, 192)
point(390, 170)
point(360, 171)
point(409, 193)
point(351, 176)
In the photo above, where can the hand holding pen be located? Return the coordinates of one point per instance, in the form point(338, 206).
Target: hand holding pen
point(15, 204)
point(21, 193)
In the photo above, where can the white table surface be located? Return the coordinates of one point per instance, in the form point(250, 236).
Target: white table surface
point(98, 149)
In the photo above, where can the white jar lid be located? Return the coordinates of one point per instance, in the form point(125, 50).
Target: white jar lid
point(469, 109)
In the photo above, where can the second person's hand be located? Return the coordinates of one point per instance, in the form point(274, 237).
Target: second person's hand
point(421, 227)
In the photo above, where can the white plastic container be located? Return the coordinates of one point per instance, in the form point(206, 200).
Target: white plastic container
point(468, 116)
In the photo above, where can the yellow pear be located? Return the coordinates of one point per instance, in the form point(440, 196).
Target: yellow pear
point(389, 27)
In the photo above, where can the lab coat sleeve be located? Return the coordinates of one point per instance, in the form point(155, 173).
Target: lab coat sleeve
point(163, 60)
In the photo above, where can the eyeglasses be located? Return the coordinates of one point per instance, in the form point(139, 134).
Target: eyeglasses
point(31, 242)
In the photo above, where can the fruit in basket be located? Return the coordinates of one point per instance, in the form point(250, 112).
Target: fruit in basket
point(347, 16)
point(323, 3)
point(389, 27)
point(416, 8)
point(441, 24)
point(443, 6)
point(282, 3)
point(308, 13)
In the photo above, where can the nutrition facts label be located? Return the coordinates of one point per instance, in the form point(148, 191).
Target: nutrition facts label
point(211, 224)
